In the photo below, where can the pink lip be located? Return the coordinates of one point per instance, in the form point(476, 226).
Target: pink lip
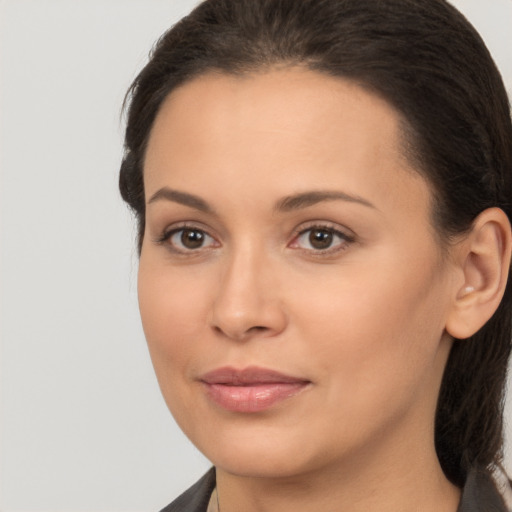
point(252, 389)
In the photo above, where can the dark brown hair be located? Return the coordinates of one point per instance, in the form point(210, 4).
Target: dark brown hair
point(426, 60)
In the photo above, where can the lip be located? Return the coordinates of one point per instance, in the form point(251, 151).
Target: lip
point(251, 389)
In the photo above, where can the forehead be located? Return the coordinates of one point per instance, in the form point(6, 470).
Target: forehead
point(289, 126)
point(288, 101)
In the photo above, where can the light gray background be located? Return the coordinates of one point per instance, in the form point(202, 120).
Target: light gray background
point(82, 425)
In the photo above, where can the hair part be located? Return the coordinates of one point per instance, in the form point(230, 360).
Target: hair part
point(430, 64)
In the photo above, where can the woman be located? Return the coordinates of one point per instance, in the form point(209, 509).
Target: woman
point(323, 192)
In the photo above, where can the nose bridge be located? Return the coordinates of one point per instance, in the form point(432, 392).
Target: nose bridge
point(246, 302)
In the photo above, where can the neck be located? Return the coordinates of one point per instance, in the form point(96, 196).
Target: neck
point(371, 480)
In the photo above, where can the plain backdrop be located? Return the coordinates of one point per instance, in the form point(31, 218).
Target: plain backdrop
point(83, 426)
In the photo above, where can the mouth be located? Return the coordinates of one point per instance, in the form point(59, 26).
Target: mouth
point(251, 389)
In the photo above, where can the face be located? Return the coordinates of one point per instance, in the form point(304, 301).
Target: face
point(291, 288)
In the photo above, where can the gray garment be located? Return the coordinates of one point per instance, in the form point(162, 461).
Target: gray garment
point(479, 495)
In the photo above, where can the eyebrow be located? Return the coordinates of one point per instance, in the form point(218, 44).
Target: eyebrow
point(184, 198)
point(287, 204)
point(306, 199)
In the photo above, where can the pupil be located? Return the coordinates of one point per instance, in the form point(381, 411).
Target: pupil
point(320, 239)
point(192, 239)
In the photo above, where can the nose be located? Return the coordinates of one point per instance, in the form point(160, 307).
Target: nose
point(247, 302)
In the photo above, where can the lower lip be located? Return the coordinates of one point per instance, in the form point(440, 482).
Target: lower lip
point(254, 397)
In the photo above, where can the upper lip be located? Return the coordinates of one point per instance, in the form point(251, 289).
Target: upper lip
point(247, 376)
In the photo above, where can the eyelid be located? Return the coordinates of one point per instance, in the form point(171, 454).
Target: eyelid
point(327, 225)
point(169, 231)
point(347, 235)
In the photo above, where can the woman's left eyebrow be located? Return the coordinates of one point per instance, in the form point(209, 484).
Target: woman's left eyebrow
point(305, 199)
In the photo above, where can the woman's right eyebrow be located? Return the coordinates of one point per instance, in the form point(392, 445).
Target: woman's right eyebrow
point(184, 198)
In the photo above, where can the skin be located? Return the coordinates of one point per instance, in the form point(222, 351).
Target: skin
point(364, 321)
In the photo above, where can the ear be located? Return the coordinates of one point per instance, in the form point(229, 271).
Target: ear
point(484, 259)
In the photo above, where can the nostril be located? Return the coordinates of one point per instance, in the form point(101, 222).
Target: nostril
point(241, 334)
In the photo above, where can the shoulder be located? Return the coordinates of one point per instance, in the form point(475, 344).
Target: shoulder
point(485, 491)
point(196, 498)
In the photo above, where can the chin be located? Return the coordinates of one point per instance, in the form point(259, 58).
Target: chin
point(268, 454)
point(260, 465)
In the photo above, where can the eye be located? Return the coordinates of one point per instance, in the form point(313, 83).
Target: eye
point(321, 239)
point(188, 239)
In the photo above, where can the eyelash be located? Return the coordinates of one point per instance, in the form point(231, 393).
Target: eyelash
point(345, 239)
point(168, 234)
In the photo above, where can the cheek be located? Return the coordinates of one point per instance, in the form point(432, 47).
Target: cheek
point(173, 311)
point(376, 331)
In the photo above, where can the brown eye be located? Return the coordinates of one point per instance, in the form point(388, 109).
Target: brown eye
point(189, 239)
point(192, 238)
point(320, 238)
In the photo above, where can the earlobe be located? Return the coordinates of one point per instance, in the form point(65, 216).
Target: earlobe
point(485, 263)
